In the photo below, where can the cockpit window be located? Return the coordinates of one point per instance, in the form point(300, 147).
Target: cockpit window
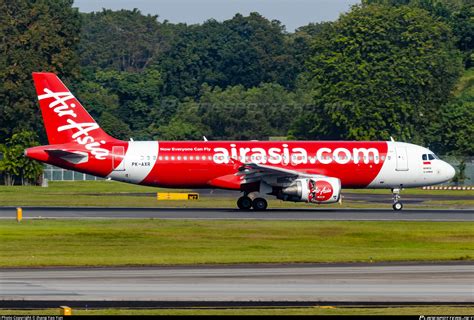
point(425, 157)
point(431, 157)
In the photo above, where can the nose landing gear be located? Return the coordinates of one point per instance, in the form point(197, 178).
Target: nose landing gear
point(397, 205)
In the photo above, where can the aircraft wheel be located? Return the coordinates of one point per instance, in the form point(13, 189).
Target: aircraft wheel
point(397, 206)
point(259, 204)
point(244, 203)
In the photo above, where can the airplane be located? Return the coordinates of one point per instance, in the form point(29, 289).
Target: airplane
point(299, 171)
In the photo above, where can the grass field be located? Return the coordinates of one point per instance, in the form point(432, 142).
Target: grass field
point(117, 194)
point(411, 310)
point(44, 242)
point(161, 242)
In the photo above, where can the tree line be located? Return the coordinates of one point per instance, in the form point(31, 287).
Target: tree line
point(400, 68)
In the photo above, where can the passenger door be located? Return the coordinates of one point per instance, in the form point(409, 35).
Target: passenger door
point(402, 159)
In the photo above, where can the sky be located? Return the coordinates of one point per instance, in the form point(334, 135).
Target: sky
point(292, 13)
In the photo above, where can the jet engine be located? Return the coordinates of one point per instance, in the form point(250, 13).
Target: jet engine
point(314, 190)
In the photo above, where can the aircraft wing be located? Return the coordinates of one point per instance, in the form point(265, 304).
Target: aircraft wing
point(252, 172)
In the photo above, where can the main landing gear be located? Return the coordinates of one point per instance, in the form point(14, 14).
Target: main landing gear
point(397, 205)
point(246, 203)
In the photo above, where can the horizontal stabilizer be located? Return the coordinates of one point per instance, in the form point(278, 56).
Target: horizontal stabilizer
point(75, 157)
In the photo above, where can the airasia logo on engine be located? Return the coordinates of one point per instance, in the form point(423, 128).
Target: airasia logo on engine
point(319, 191)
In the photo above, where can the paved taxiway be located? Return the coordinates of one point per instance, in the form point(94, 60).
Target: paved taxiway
point(450, 282)
point(226, 213)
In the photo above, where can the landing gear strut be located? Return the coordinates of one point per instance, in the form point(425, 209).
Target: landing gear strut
point(397, 205)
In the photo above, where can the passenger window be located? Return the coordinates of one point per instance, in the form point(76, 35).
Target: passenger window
point(425, 157)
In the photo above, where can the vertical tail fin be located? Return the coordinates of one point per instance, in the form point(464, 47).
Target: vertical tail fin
point(65, 119)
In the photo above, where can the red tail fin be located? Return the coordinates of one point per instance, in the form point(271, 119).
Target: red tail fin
point(65, 119)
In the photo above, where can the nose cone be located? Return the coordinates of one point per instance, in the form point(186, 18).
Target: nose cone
point(450, 172)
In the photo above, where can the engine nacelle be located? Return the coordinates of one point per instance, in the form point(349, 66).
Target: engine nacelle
point(314, 190)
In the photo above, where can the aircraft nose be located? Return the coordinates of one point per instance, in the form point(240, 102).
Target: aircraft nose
point(450, 172)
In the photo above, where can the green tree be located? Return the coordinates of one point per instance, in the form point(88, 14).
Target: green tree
point(458, 14)
point(95, 98)
point(14, 164)
point(138, 98)
point(453, 131)
point(186, 124)
point(36, 36)
point(102, 104)
point(243, 51)
point(239, 113)
point(299, 43)
point(115, 126)
point(462, 22)
point(234, 113)
point(379, 72)
point(123, 40)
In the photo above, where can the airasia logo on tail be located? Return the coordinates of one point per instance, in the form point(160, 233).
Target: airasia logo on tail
point(319, 191)
point(81, 130)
